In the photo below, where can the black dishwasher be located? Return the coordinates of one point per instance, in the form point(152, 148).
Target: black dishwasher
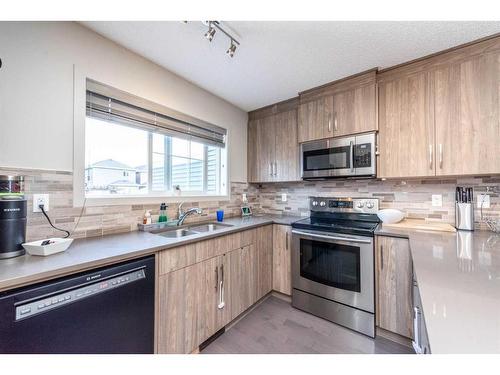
point(105, 310)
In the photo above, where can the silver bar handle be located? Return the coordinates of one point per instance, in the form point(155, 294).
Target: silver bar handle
point(356, 240)
point(430, 156)
point(441, 155)
point(216, 278)
point(352, 155)
point(335, 122)
point(270, 169)
point(381, 257)
point(329, 123)
point(275, 168)
point(286, 240)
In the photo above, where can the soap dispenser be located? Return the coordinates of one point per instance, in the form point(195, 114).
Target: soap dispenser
point(163, 213)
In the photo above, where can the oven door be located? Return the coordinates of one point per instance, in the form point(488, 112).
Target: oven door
point(328, 158)
point(338, 267)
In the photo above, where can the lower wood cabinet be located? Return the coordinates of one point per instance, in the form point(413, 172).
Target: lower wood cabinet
point(282, 259)
point(197, 300)
point(394, 279)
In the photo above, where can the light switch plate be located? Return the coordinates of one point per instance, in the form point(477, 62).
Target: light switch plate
point(486, 203)
point(39, 199)
point(244, 198)
point(437, 200)
point(283, 197)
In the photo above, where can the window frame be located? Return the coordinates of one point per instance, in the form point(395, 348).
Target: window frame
point(79, 197)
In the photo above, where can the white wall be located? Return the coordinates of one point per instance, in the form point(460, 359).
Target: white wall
point(36, 92)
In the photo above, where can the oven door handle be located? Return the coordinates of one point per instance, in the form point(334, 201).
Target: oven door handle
point(355, 240)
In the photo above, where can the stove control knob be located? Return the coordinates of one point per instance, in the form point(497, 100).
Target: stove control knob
point(369, 205)
point(314, 203)
point(359, 205)
point(322, 203)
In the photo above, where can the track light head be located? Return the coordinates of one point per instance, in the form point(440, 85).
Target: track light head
point(232, 49)
point(210, 33)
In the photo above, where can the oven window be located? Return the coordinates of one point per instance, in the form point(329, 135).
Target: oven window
point(328, 158)
point(331, 264)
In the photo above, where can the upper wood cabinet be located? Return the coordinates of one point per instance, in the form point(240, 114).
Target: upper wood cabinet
point(315, 119)
point(440, 116)
point(467, 106)
point(273, 150)
point(406, 129)
point(394, 278)
point(340, 108)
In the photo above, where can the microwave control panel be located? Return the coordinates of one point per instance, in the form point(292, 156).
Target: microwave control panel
point(363, 155)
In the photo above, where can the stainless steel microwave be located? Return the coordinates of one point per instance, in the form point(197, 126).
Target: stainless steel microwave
point(339, 157)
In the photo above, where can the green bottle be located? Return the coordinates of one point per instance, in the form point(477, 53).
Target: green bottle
point(163, 213)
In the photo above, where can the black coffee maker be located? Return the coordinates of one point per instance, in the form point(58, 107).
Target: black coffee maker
point(13, 210)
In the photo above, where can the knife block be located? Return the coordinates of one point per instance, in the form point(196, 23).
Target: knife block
point(464, 216)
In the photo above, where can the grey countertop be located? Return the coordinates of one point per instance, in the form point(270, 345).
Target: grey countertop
point(458, 276)
point(87, 253)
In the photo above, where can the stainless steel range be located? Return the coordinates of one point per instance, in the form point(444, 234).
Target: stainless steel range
point(333, 273)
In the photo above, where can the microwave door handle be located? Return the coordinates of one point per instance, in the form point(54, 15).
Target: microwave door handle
point(355, 240)
point(352, 155)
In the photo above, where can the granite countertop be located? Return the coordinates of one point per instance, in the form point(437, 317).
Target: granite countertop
point(458, 276)
point(87, 253)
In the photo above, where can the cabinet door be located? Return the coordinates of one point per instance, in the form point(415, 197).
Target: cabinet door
point(282, 260)
point(180, 293)
point(262, 149)
point(394, 285)
point(467, 102)
point(253, 160)
point(243, 284)
point(406, 127)
point(287, 147)
point(264, 251)
point(315, 119)
point(354, 111)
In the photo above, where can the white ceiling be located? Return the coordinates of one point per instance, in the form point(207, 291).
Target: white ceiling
point(278, 59)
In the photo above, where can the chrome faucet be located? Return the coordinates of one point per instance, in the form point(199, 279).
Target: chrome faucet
point(183, 215)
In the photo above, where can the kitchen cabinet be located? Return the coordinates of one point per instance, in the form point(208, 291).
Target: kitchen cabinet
point(344, 107)
point(467, 106)
point(315, 119)
point(282, 259)
point(406, 129)
point(244, 279)
point(205, 285)
point(394, 280)
point(264, 247)
point(440, 116)
point(273, 150)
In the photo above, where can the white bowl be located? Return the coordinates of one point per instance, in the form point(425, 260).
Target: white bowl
point(58, 245)
point(390, 215)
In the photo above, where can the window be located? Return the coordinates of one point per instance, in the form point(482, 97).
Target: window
point(126, 157)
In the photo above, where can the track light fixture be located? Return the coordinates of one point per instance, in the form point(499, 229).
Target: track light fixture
point(211, 32)
point(232, 49)
point(212, 26)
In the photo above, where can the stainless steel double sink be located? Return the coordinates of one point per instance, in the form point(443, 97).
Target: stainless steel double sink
point(191, 230)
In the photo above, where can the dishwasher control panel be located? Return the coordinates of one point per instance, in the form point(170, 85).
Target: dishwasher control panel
point(27, 309)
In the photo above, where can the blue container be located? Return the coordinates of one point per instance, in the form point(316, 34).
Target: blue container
point(220, 215)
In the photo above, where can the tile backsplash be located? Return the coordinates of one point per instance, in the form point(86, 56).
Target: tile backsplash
point(101, 220)
point(414, 197)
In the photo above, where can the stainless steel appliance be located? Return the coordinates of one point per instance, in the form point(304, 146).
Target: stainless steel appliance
point(13, 210)
point(333, 262)
point(106, 310)
point(352, 156)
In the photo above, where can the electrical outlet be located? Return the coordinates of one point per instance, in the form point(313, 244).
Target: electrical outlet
point(244, 198)
point(39, 199)
point(486, 203)
point(437, 200)
point(283, 197)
